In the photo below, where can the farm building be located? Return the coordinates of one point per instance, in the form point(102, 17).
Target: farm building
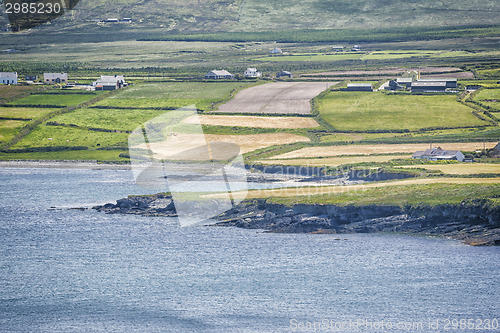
point(51, 78)
point(218, 74)
point(450, 83)
point(423, 87)
point(495, 152)
point(284, 74)
point(358, 87)
point(252, 72)
point(438, 154)
point(411, 74)
point(8, 78)
point(276, 50)
point(337, 48)
point(109, 82)
point(405, 81)
point(31, 77)
point(393, 85)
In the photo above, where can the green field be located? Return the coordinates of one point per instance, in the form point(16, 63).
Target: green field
point(69, 155)
point(372, 111)
point(155, 103)
point(8, 93)
point(181, 90)
point(9, 128)
point(57, 136)
point(62, 100)
point(489, 98)
point(24, 113)
point(113, 119)
point(311, 57)
point(433, 194)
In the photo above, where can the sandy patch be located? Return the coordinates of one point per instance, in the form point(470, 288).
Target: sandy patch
point(254, 121)
point(193, 146)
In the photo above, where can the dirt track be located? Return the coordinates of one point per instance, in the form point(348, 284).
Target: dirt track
point(379, 149)
point(276, 97)
point(254, 121)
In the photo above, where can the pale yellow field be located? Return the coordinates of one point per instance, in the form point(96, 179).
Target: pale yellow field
point(193, 146)
point(461, 169)
point(334, 161)
point(253, 121)
point(299, 191)
point(379, 149)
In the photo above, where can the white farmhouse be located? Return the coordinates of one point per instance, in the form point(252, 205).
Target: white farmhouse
point(8, 78)
point(438, 154)
point(52, 78)
point(252, 73)
point(276, 50)
point(218, 74)
point(109, 82)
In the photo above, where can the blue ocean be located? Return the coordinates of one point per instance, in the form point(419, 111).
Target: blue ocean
point(66, 270)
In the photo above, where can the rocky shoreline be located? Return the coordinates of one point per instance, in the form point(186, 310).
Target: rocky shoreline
point(473, 222)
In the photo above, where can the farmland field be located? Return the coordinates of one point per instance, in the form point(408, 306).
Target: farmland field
point(113, 119)
point(24, 113)
point(402, 195)
point(53, 99)
point(365, 111)
point(152, 103)
point(277, 97)
point(182, 90)
point(378, 149)
point(254, 121)
point(334, 161)
point(460, 169)
point(180, 143)
point(51, 136)
point(9, 128)
point(14, 91)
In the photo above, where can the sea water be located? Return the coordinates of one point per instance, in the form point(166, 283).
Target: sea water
point(65, 270)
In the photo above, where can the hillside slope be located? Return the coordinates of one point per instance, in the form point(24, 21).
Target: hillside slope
point(258, 15)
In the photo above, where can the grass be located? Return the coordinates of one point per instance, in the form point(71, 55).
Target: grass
point(9, 128)
point(113, 119)
point(53, 136)
point(8, 93)
point(182, 90)
point(429, 194)
point(70, 155)
point(53, 99)
point(156, 103)
point(311, 57)
point(24, 113)
point(462, 169)
point(365, 111)
point(334, 161)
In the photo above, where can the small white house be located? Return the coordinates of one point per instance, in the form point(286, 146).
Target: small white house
point(52, 78)
point(252, 73)
point(276, 50)
point(218, 74)
point(8, 77)
point(109, 82)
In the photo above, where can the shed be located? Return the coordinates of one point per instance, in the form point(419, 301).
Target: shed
point(276, 50)
point(423, 87)
point(405, 81)
point(284, 74)
point(358, 87)
point(450, 82)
